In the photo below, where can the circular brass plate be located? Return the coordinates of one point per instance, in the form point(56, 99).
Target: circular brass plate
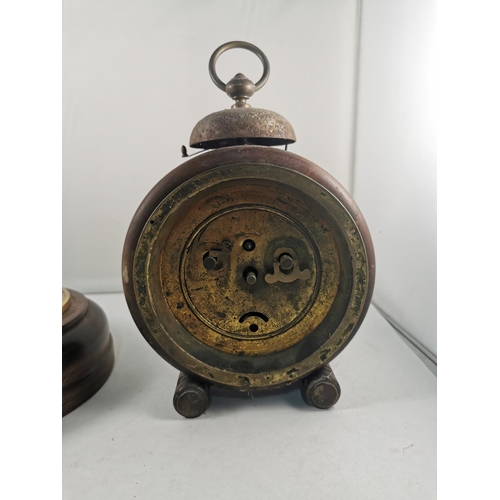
point(221, 298)
point(223, 310)
point(211, 321)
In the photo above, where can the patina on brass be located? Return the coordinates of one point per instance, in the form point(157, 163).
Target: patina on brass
point(225, 311)
point(248, 267)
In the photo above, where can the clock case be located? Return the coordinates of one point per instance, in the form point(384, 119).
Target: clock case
point(242, 141)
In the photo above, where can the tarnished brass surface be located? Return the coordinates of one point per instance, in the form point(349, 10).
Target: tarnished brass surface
point(231, 127)
point(210, 317)
point(219, 307)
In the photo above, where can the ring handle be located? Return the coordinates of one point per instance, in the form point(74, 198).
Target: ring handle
point(238, 45)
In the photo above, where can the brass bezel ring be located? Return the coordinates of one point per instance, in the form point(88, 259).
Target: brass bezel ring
point(66, 299)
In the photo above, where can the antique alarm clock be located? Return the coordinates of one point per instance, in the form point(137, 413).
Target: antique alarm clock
point(248, 267)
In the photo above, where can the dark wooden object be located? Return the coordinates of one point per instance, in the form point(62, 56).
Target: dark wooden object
point(87, 351)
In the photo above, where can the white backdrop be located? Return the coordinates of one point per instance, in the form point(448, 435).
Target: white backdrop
point(136, 82)
point(395, 164)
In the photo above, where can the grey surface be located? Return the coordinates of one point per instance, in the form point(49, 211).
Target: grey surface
point(429, 359)
point(395, 171)
point(378, 442)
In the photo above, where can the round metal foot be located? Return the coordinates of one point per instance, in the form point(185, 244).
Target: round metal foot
point(321, 389)
point(192, 397)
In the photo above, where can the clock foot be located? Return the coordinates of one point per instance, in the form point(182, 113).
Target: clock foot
point(321, 389)
point(191, 397)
